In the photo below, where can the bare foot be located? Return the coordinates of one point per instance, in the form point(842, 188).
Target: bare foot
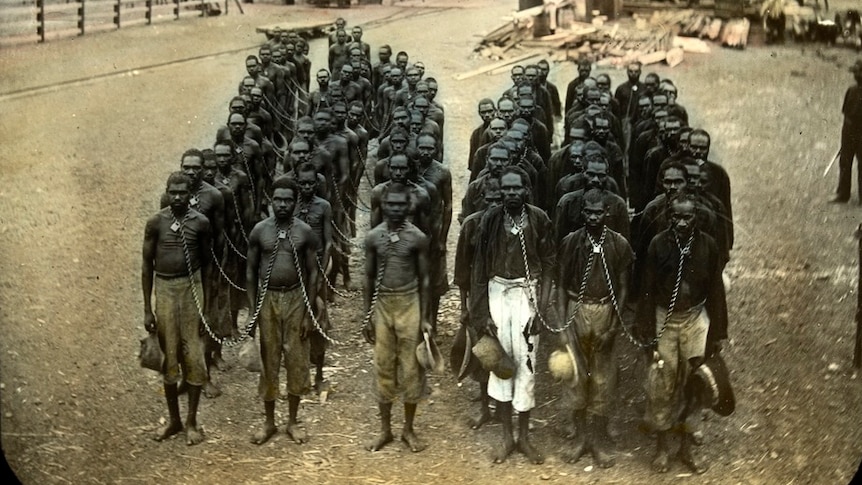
point(693, 463)
point(413, 442)
point(221, 364)
point(378, 443)
point(661, 462)
point(193, 435)
point(297, 433)
point(532, 454)
point(578, 449)
point(504, 451)
point(265, 434)
point(211, 390)
point(485, 417)
point(171, 429)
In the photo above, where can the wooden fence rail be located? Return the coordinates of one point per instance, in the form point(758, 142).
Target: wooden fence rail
point(23, 21)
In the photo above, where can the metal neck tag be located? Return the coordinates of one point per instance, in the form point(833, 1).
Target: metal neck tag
point(175, 226)
point(282, 234)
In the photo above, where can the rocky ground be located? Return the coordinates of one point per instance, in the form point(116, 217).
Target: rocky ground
point(92, 125)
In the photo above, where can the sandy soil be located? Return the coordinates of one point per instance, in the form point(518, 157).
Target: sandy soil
point(83, 165)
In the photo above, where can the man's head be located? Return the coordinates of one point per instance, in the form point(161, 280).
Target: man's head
point(596, 171)
point(247, 83)
point(517, 74)
point(487, 110)
point(341, 36)
point(339, 113)
point(178, 188)
point(667, 88)
point(340, 23)
point(644, 106)
point(355, 55)
point(289, 50)
point(603, 82)
point(594, 208)
point(396, 200)
point(601, 128)
point(357, 33)
point(224, 153)
point(384, 53)
point(256, 96)
point(426, 147)
point(192, 164)
point(396, 76)
point(284, 195)
point(682, 214)
point(698, 142)
point(421, 104)
point(237, 105)
point(401, 60)
point(531, 74)
point(323, 78)
point(278, 56)
point(518, 138)
point(399, 168)
point(306, 179)
point(673, 178)
point(544, 70)
point(578, 133)
point(210, 166)
point(355, 114)
point(413, 77)
point(515, 185)
point(252, 66)
point(422, 89)
point(651, 83)
point(398, 139)
point(497, 127)
point(401, 117)
point(577, 152)
point(659, 101)
point(346, 73)
point(236, 124)
point(498, 158)
point(585, 67)
point(420, 66)
point(506, 109)
point(526, 106)
point(323, 122)
point(668, 130)
point(305, 128)
point(265, 54)
point(433, 86)
point(684, 136)
point(417, 121)
point(633, 71)
point(693, 175)
point(593, 95)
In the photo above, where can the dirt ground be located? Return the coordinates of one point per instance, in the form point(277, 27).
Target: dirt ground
point(83, 163)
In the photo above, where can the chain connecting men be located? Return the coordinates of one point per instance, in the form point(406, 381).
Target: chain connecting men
point(357, 170)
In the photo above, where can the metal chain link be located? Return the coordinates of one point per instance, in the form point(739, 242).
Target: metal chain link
point(253, 320)
point(222, 271)
point(519, 227)
point(582, 290)
point(378, 281)
point(308, 304)
point(249, 173)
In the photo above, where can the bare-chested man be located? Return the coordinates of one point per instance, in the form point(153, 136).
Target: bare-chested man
point(419, 207)
point(175, 254)
point(282, 271)
point(207, 200)
point(317, 213)
point(397, 292)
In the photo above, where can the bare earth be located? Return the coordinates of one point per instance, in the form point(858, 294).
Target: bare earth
point(84, 163)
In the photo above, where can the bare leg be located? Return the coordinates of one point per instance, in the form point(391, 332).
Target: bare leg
point(435, 308)
point(211, 391)
point(484, 411)
point(269, 427)
point(524, 445)
point(504, 411)
point(408, 435)
point(296, 432)
point(661, 461)
point(175, 425)
point(385, 428)
point(579, 447)
point(601, 443)
point(688, 458)
point(193, 434)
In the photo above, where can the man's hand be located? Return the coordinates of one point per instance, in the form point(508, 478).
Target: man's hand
point(368, 333)
point(606, 340)
point(490, 328)
point(426, 327)
point(464, 319)
point(306, 328)
point(149, 322)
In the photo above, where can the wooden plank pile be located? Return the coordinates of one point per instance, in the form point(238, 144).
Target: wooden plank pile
point(663, 36)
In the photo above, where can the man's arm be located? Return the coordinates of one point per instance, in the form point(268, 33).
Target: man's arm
point(423, 271)
point(205, 245)
point(310, 263)
point(376, 212)
point(148, 253)
point(446, 194)
point(252, 267)
point(370, 284)
point(327, 235)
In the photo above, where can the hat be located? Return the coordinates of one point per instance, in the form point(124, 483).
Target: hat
point(715, 382)
point(151, 355)
point(856, 67)
point(461, 358)
point(566, 365)
point(428, 354)
point(493, 358)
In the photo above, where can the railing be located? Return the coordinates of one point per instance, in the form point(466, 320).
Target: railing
point(24, 21)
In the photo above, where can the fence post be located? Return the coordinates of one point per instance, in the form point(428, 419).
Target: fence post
point(40, 17)
point(857, 351)
point(177, 9)
point(149, 12)
point(117, 14)
point(81, 17)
